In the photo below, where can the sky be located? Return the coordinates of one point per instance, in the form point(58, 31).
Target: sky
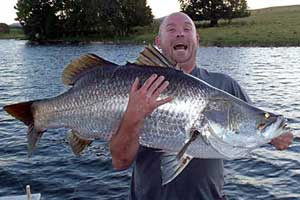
point(160, 8)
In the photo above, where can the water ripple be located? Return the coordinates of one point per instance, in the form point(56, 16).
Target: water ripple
point(271, 77)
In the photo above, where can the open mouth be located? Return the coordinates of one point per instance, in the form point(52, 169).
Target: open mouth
point(283, 124)
point(280, 123)
point(180, 47)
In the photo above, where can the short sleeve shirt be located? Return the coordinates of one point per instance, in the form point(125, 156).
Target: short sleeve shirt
point(202, 179)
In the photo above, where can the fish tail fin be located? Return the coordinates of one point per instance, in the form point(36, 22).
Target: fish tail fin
point(23, 112)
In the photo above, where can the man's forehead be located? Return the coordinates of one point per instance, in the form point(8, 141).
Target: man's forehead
point(175, 23)
point(177, 18)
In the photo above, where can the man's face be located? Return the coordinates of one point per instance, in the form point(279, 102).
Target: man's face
point(178, 39)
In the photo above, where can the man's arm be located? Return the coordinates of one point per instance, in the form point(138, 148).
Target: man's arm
point(124, 143)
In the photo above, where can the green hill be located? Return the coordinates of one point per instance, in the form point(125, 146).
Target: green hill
point(276, 26)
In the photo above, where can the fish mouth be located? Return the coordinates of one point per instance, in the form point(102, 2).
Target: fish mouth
point(180, 46)
point(279, 124)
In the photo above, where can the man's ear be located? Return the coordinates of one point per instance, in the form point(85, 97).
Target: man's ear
point(198, 37)
point(157, 41)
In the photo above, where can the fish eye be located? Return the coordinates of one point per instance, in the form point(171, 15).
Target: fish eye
point(267, 115)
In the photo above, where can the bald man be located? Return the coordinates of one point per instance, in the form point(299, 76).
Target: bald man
point(202, 178)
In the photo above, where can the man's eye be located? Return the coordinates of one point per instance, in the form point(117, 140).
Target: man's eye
point(171, 30)
point(187, 29)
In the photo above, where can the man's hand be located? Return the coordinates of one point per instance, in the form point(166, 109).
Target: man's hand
point(142, 101)
point(283, 142)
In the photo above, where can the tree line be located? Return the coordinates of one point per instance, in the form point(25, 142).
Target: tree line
point(214, 10)
point(52, 19)
point(48, 19)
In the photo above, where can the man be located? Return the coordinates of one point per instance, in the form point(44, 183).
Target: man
point(202, 178)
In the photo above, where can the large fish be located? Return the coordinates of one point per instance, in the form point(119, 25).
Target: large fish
point(201, 121)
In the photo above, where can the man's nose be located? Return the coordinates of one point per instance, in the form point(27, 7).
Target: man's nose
point(180, 34)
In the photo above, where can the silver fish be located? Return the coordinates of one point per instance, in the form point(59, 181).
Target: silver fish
point(201, 121)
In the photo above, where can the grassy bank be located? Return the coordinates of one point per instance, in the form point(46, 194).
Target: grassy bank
point(276, 26)
point(15, 33)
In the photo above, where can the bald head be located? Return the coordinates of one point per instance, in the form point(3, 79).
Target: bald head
point(175, 15)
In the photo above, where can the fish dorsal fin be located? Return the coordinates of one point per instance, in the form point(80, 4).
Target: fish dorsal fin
point(151, 56)
point(80, 65)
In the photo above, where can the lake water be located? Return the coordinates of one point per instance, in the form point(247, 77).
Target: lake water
point(271, 77)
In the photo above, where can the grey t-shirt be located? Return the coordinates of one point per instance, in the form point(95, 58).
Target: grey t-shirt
point(202, 179)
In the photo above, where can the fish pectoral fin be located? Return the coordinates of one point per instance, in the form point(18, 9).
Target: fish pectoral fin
point(79, 66)
point(77, 143)
point(151, 56)
point(194, 135)
point(171, 165)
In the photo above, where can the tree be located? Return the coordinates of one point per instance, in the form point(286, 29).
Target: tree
point(214, 10)
point(38, 18)
point(131, 13)
point(80, 17)
point(239, 9)
point(4, 28)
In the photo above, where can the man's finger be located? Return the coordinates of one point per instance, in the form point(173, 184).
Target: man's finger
point(155, 85)
point(164, 101)
point(149, 81)
point(160, 89)
point(288, 137)
point(282, 142)
point(135, 85)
